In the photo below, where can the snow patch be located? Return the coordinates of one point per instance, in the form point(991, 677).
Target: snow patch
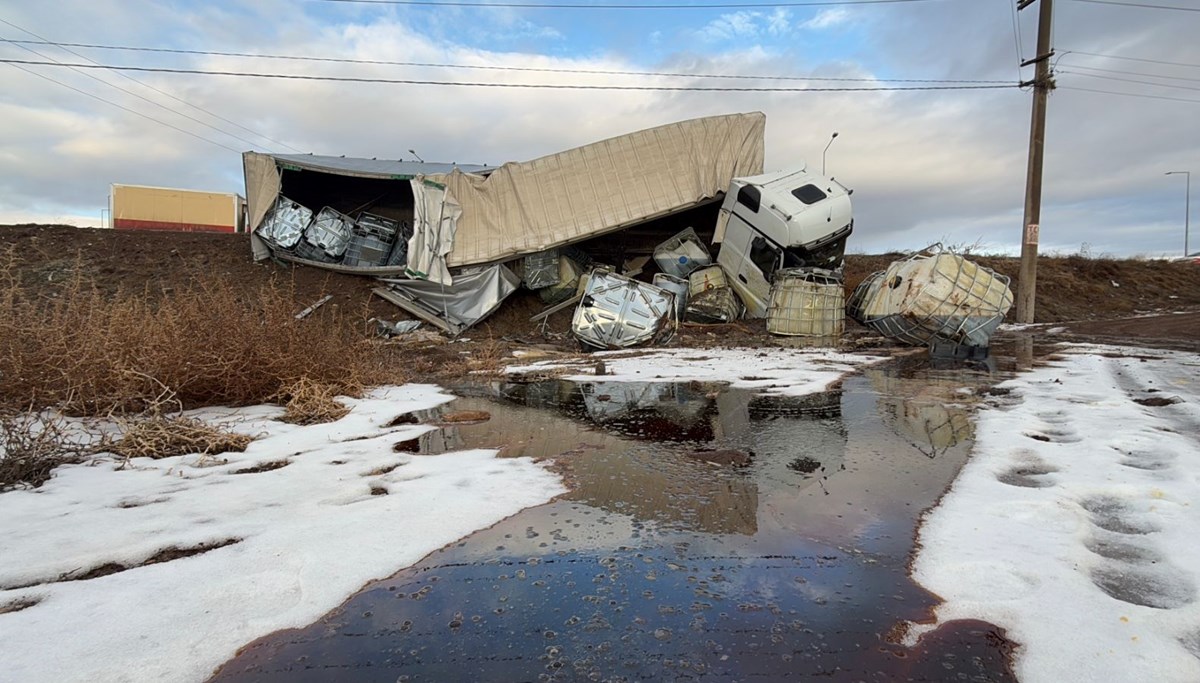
point(1074, 524)
point(163, 570)
point(789, 372)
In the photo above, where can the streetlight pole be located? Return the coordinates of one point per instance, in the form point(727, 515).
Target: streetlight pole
point(827, 144)
point(1187, 206)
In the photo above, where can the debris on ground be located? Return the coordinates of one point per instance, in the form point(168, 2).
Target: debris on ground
point(935, 295)
point(617, 312)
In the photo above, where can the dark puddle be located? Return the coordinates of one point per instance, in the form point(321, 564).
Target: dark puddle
point(661, 565)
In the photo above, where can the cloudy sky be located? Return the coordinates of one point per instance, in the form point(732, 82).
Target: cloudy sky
point(926, 165)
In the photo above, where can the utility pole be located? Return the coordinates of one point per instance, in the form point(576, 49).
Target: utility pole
point(1042, 85)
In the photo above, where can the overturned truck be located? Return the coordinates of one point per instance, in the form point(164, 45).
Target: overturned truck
point(419, 225)
point(456, 216)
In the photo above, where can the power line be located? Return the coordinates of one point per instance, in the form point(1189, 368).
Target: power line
point(1131, 59)
point(1016, 26)
point(43, 40)
point(1141, 5)
point(121, 106)
point(534, 5)
point(76, 68)
point(494, 67)
point(549, 86)
point(1128, 94)
point(1135, 73)
point(1130, 80)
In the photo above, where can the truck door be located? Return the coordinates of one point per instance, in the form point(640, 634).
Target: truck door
point(748, 257)
point(762, 259)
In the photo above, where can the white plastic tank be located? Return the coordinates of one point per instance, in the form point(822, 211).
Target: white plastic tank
point(677, 286)
point(706, 279)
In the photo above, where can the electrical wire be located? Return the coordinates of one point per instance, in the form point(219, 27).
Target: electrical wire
point(1139, 4)
point(1135, 73)
point(121, 106)
point(44, 41)
point(76, 68)
point(1128, 94)
point(1129, 80)
point(1131, 59)
point(549, 86)
point(1016, 26)
point(493, 67)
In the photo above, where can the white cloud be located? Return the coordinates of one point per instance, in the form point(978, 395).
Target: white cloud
point(740, 24)
point(827, 18)
point(924, 164)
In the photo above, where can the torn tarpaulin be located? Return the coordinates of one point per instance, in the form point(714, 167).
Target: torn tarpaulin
point(452, 307)
point(435, 222)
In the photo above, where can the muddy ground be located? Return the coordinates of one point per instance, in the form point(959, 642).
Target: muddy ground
point(1093, 298)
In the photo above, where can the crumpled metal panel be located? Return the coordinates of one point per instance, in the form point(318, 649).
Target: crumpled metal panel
point(330, 231)
point(473, 296)
point(285, 224)
point(618, 312)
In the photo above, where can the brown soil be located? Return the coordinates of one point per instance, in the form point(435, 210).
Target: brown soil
point(1072, 289)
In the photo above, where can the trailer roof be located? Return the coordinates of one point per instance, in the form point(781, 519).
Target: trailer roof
point(374, 168)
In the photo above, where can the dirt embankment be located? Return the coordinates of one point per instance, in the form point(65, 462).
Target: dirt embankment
point(1071, 288)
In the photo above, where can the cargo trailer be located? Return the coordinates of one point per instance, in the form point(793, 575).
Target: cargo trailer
point(140, 207)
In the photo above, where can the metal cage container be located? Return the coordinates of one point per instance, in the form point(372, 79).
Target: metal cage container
point(366, 251)
point(285, 223)
point(331, 231)
point(807, 302)
point(934, 296)
point(682, 254)
point(618, 312)
point(714, 307)
point(541, 269)
point(312, 253)
point(376, 226)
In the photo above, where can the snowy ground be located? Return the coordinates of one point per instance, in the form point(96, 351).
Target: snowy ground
point(301, 538)
point(1076, 523)
point(791, 372)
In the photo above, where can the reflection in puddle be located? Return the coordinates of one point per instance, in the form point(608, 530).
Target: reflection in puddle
point(788, 561)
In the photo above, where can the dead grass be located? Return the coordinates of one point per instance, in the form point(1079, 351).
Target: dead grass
point(94, 353)
point(307, 402)
point(32, 445)
point(162, 436)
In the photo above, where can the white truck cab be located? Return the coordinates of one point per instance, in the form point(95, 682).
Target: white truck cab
point(785, 219)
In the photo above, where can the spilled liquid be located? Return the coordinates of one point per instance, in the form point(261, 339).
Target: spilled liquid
point(710, 534)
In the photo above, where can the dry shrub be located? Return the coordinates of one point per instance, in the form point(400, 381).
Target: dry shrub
point(208, 342)
point(32, 445)
point(162, 436)
point(307, 402)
